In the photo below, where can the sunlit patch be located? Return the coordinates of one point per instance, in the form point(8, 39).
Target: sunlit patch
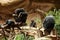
point(7, 2)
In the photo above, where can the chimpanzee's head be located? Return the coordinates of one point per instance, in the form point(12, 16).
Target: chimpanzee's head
point(32, 21)
point(10, 22)
point(18, 10)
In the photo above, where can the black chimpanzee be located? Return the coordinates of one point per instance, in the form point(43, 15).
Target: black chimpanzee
point(20, 16)
point(10, 23)
point(33, 23)
point(48, 24)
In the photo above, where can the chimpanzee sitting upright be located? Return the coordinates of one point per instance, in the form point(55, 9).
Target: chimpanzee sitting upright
point(33, 23)
point(48, 24)
point(20, 16)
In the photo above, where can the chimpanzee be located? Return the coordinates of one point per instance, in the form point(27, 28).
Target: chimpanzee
point(20, 16)
point(33, 23)
point(11, 25)
point(48, 24)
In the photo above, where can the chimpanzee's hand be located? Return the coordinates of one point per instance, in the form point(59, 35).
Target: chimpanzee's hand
point(3, 25)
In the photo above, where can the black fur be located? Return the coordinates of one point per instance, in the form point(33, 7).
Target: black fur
point(33, 23)
point(49, 23)
point(21, 16)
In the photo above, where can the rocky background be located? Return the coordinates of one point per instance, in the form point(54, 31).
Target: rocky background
point(7, 8)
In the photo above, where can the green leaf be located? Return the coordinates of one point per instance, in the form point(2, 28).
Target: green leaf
point(19, 37)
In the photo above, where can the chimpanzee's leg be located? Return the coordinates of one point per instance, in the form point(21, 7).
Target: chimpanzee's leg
point(18, 27)
point(7, 29)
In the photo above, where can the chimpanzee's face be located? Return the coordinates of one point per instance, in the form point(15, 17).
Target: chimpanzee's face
point(14, 14)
